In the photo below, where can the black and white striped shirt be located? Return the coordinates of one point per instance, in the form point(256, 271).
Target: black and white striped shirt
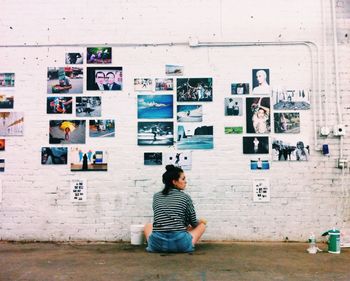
point(173, 212)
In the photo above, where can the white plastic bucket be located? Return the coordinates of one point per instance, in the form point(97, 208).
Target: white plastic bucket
point(136, 231)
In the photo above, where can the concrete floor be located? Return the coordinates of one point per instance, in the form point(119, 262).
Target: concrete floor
point(210, 261)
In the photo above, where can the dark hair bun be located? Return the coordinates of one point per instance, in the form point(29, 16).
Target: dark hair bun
point(169, 167)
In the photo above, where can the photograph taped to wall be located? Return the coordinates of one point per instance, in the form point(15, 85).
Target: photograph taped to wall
point(259, 164)
point(11, 123)
point(85, 159)
point(287, 123)
point(164, 84)
point(255, 145)
point(194, 89)
point(261, 82)
point(143, 84)
point(233, 106)
point(189, 113)
point(102, 128)
point(64, 80)
point(2, 144)
point(78, 190)
point(99, 55)
point(104, 78)
point(240, 88)
point(179, 159)
point(54, 155)
point(88, 106)
point(67, 131)
point(2, 165)
point(258, 115)
point(195, 136)
point(74, 58)
point(59, 105)
point(261, 190)
point(290, 148)
point(174, 70)
point(6, 101)
point(295, 99)
point(233, 130)
point(7, 81)
point(152, 158)
point(154, 106)
point(155, 133)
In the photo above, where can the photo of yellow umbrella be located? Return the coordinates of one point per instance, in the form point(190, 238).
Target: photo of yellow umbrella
point(67, 124)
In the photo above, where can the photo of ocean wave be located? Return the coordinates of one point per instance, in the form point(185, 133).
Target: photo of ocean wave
point(154, 106)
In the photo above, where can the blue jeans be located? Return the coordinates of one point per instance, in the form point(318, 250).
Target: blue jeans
point(170, 242)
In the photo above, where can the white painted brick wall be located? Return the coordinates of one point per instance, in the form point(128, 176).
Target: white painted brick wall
point(305, 197)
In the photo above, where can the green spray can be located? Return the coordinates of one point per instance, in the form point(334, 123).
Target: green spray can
point(333, 241)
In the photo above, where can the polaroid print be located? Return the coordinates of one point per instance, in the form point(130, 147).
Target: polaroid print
point(195, 136)
point(261, 190)
point(102, 128)
point(74, 58)
point(6, 101)
point(179, 159)
point(152, 158)
point(59, 105)
point(166, 84)
point(2, 165)
point(54, 155)
point(261, 82)
point(233, 130)
point(2, 144)
point(258, 115)
point(11, 123)
point(255, 145)
point(65, 80)
point(104, 79)
point(67, 131)
point(189, 113)
point(174, 70)
point(143, 84)
point(154, 106)
point(260, 164)
point(7, 81)
point(99, 55)
point(155, 133)
point(287, 123)
point(78, 191)
point(88, 106)
point(295, 99)
point(88, 159)
point(194, 89)
point(286, 148)
point(233, 106)
point(240, 88)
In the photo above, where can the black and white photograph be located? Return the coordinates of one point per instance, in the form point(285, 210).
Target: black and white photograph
point(287, 123)
point(182, 159)
point(65, 80)
point(54, 155)
point(59, 105)
point(290, 148)
point(194, 89)
point(153, 158)
point(88, 106)
point(189, 113)
point(155, 133)
point(261, 82)
point(164, 84)
point(255, 145)
point(74, 58)
point(104, 78)
point(233, 106)
point(296, 99)
point(99, 55)
point(195, 136)
point(258, 115)
point(143, 84)
point(240, 88)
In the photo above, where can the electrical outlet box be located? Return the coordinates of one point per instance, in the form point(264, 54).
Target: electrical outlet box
point(342, 163)
point(324, 131)
point(339, 130)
